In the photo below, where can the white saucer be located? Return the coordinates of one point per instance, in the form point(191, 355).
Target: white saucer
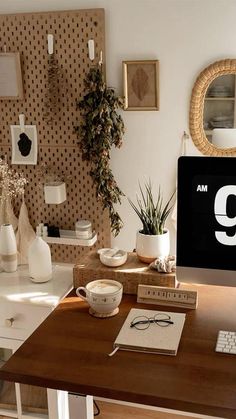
point(103, 315)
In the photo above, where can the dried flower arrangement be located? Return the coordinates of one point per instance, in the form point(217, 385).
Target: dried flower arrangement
point(48, 175)
point(12, 183)
point(100, 129)
point(51, 100)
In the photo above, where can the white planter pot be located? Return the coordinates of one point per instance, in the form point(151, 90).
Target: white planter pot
point(8, 249)
point(55, 193)
point(150, 247)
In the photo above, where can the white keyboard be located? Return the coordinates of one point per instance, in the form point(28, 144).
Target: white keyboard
point(226, 342)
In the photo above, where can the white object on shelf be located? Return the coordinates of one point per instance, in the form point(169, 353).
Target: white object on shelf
point(40, 262)
point(69, 237)
point(83, 229)
point(45, 231)
point(38, 231)
point(55, 193)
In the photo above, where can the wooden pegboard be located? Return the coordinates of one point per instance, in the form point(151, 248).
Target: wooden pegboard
point(57, 142)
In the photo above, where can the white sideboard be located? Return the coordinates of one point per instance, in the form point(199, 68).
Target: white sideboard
point(23, 306)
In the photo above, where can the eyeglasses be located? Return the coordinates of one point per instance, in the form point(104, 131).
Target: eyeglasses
point(143, 322)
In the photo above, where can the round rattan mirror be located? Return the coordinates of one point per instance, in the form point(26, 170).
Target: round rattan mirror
point(196, 126)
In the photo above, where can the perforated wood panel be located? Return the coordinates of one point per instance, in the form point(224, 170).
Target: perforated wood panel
point(27, 33)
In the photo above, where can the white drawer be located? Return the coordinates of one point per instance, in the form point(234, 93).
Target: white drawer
point(18, 320)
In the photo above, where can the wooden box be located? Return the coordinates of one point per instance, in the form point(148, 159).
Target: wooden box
point(132, 273)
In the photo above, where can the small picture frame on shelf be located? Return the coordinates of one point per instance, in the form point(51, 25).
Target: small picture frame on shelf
point(141, 85)
point(11, 85)
point(24, 144)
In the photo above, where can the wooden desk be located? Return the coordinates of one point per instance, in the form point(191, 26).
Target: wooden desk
point(69, 352)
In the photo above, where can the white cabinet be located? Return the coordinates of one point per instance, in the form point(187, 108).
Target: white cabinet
point(23, 306)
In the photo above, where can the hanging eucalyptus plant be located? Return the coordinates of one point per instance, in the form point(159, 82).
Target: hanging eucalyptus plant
point(100, 129)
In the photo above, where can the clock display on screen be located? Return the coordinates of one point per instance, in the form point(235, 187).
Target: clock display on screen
point(206, 226)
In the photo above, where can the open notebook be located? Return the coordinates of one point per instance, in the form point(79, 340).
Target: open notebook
point(154, 339)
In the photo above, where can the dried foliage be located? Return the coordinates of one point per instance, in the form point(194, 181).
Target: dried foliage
point(100, 129)
point(48, 174)
point(12, 183)
point(51, 100)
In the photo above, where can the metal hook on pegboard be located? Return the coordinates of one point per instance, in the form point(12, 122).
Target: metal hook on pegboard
point(50, 44)
point(91, 49)
point(100, 61)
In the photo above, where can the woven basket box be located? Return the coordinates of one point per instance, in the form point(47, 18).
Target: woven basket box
point(131, 274)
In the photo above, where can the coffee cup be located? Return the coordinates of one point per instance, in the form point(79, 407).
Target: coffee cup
point(103, 296)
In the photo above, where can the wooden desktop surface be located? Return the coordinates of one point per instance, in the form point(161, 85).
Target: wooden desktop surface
point(69, 352)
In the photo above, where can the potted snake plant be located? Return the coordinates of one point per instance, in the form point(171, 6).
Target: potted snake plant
point(153, 240)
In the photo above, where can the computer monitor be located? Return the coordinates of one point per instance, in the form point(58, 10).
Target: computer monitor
point(206, 220)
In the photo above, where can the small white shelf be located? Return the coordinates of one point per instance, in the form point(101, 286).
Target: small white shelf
point(69, 237)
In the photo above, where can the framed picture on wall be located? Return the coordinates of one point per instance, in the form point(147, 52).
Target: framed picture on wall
point(24, 144)
point(141, 85)
point(11, 86)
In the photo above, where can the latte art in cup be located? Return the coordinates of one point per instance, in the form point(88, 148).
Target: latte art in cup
point(103, 296)
point(104, 287)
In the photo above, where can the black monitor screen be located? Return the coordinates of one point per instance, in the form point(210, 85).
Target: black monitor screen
point(206, 220)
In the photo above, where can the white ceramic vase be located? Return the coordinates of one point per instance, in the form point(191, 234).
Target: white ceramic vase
point(8, 248)
point(150, 247)
point(40, 262)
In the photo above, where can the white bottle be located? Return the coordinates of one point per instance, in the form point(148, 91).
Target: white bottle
point(8, 248)
point(40, 262)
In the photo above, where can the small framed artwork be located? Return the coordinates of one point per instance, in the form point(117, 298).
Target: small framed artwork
point(24, 144)
point(11, 86)
point(141, 85)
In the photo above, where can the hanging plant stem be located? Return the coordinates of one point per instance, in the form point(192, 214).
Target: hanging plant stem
point(100, 129)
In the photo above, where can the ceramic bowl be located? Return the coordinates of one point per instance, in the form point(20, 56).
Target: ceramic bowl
point(112, 257)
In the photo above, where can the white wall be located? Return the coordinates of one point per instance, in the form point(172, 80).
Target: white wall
point(185, 36)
